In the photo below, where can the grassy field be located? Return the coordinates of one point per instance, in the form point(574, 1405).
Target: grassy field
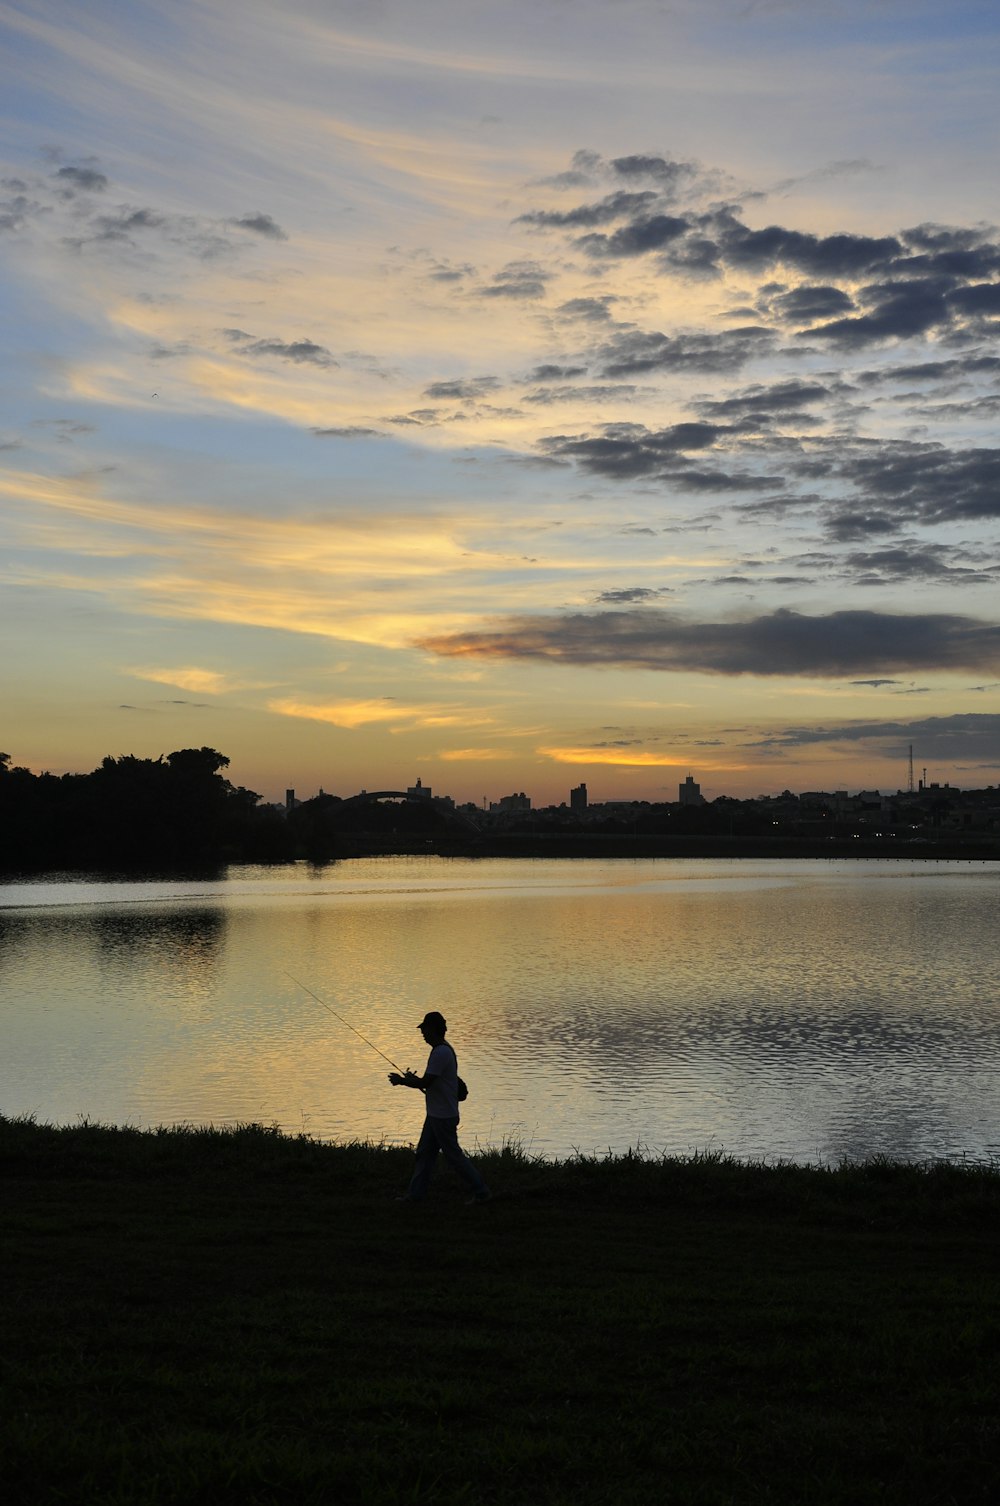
point(244, 1317)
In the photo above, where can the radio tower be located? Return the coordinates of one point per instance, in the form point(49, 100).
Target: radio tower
point(910, 784)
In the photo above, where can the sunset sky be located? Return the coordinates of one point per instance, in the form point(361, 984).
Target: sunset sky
point(505, 394)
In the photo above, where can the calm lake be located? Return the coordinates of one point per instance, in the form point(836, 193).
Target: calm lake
point(780, 1009)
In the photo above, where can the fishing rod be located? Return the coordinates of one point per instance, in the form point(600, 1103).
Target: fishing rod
point(340, 1017)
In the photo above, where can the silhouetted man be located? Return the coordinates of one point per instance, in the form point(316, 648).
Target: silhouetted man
point(439, 1085)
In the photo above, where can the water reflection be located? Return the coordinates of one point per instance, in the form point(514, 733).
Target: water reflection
point(179, 948)
point(805, 1010)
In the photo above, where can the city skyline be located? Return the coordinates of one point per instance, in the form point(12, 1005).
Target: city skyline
point(519, 396)
point(586, 797)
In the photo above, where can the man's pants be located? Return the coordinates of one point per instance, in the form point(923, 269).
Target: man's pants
point(441, 1135)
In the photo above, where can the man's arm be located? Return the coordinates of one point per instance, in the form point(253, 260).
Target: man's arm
point(411, 1080)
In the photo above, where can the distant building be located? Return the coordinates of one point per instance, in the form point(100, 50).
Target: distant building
point(689, 793)
point(419, 791)
point(521, 802)
point(578, 798)
point(290, 800)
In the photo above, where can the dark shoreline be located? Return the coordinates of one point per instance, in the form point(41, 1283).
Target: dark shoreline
point(620, 845)
point(563, 846)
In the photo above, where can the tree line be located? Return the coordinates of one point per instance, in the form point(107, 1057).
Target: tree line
point(174, 811)
point(179, 811)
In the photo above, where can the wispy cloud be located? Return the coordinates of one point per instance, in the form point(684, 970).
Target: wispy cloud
point(348, 714)
point(361, 713)
point(619, 757)
point(201, 681)
point(478, 755)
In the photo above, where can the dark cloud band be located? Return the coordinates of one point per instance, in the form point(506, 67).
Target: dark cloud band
point(838, 645)
point(967, 735)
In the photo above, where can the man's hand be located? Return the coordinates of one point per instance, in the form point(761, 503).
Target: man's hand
point(405, 1080)
point(395, 1079)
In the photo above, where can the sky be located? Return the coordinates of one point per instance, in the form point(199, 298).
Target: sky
point(502, 395)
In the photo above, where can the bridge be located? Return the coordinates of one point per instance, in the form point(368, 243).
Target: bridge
point(424, 798)
point(387, 795)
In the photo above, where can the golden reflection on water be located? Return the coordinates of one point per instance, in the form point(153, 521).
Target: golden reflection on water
point(808, 1010)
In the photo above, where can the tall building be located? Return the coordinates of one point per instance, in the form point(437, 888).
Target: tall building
point(578, 798)
point(689, 793)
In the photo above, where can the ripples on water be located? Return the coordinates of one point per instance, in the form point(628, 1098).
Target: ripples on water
point(783, 1009)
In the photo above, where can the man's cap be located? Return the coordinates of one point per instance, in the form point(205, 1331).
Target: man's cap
point(434, 1021)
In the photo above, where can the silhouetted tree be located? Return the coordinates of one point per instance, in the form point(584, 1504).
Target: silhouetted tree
point(173, 811)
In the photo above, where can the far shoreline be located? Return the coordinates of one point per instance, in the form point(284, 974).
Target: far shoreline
point(619, 845)
point(563, 846)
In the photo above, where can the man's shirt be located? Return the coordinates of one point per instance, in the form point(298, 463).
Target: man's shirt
point(442, 1094)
